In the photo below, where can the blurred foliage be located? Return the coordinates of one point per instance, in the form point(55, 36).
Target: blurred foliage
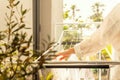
point(66, 14)
point(15, 44)
point(71, 35)
point(70, 38)
point(70, 13)
point(16, 53)
point(97, 9)
point(107, 53)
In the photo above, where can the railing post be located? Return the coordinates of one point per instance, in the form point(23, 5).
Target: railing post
point(35, 74)
point(99, 70)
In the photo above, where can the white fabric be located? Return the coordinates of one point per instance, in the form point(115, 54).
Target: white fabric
point(108, 33)
point(78, 50)
point(72, 73)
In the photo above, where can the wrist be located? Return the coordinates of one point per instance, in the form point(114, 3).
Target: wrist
point(72, 50)
point(78, 51)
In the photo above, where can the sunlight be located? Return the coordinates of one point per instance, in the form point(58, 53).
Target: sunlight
point(85, 6)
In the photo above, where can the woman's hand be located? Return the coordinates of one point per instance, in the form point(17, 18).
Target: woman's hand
point(65, 54)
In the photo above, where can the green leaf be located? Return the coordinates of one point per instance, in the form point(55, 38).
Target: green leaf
point(16, 3)
point(26, 54)
point(21, 9)
point(23, 35)
point(7, 16)
point(49, 76)
point(24, 11)
point(14, 25)
point(8, 7)
point(3, 55)
point(29, 41)
point(27, 28)
point(2, 36)
point(11, 1)
point(22, 26)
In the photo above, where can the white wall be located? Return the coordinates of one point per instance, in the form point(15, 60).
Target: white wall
point(28, 18)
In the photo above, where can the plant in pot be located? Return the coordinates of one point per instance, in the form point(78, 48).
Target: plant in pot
point(16, 53)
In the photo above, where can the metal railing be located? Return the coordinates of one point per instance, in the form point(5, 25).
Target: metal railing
point(83, 64)
point(80, 64)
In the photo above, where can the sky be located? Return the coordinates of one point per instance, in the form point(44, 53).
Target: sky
point(85, 6)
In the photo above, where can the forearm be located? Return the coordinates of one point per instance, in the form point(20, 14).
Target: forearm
point(98, 40)
point(70, 51)
point(90, 46)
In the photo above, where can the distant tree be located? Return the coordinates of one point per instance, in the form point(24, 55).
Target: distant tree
point(71, 13)
point(97, 9)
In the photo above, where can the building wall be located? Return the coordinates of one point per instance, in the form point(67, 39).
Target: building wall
point(28, 18)
point(50, 15)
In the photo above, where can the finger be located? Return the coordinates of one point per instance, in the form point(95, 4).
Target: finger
point(60, 54)
point(62, 58)
point(58, 58)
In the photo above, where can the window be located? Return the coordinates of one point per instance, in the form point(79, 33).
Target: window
point(60, 27)
point(80, 20)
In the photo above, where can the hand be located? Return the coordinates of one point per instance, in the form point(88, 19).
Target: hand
point(65, 54)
